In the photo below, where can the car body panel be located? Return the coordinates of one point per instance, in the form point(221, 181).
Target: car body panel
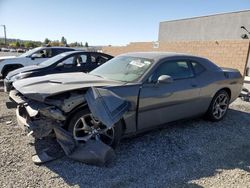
point(7, 57)
point(103, 105)
point(162, 101)
point(39, 88)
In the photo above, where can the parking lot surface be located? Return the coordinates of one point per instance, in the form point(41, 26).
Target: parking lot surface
point(194, 153)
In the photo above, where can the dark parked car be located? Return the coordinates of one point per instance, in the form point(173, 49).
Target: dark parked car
point(157, 88)
point(73, 61)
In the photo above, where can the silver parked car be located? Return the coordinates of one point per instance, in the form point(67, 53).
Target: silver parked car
point(158, 88)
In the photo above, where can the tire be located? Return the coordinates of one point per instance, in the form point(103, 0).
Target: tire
point(218, 107)
point(75, 122)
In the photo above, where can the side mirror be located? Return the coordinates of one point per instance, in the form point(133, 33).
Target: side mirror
point(165, 79)
point(61, 64)
point(34, 56)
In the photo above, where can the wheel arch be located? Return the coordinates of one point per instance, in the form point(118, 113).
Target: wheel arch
point(8, 66)
point(81, 107)
point(228, 90)
point(71, 114)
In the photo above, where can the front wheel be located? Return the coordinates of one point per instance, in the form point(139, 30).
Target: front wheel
point(219, 106)
point(84, 126)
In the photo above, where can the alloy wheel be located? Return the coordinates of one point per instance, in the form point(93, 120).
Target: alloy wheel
point(87, 127)
point(220, 105)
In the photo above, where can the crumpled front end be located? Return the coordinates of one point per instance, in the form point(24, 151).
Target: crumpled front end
point(37, 119)
point(40, 119)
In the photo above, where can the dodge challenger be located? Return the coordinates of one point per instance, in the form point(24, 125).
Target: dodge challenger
point(138, 91)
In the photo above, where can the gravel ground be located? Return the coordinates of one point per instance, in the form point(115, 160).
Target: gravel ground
point(194, 153)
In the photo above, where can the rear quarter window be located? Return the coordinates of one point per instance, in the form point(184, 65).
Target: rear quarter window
point(198, 68)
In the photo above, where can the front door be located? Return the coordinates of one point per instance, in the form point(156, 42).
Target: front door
point(160, 103)
point(39, 56)
point(74, 63)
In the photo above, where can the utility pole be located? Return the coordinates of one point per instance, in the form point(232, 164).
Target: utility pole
point(5, 39)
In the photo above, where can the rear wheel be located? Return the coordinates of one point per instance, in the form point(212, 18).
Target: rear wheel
point(84, 127)
point(219, 106)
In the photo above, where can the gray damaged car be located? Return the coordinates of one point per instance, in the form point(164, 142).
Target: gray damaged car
point(131, 93)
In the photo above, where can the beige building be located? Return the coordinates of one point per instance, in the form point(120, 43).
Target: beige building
point(223, 38)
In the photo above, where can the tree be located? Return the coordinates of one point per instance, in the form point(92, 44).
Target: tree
point(15, 44)
point(86, 44)
point(12, 44)
point(46, 41)
point(54, 43)
point(74, 44)
point(29, 44)
point(63, 41)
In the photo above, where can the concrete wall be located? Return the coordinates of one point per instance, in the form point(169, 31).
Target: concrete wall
point(225, 53)
point(216, 27)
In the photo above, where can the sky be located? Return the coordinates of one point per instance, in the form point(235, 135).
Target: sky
point(102, 22)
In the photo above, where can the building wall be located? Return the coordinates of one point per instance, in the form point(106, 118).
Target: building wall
point(225, 53)
point(215, 27)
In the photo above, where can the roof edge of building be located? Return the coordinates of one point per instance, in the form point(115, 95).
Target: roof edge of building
point(210, 15)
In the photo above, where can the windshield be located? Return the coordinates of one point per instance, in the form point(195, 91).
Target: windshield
point(52, 60)
point(30, 52)
point(123, 68)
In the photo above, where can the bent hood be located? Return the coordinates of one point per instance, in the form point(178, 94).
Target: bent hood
point(23, 70)
point(39, 88)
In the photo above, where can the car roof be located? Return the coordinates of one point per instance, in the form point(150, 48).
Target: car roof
point(156, 56)
point(72, 52)
point(55, 47)
point(80, 51)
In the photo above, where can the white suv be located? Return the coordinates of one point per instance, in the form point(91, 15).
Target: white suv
point(32, 57)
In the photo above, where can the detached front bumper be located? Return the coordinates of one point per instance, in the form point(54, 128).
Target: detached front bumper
point(38, 127)
point(36, 118)
point(7, 85)
point(22, 121)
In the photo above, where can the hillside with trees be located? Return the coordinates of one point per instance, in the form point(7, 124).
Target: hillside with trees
point(18, 43)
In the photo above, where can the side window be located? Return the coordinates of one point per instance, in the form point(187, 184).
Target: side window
point(44, 53)
point(76, 60)
point(103, 59)
point(175, 69)
point(68, 61)
point(98, 58)
point(80, 59)
point(198, 68)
